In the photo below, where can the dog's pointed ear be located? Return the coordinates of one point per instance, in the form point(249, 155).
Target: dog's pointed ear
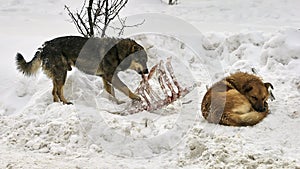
point(267, 85)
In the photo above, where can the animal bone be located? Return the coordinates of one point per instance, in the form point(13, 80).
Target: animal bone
point(170, 89)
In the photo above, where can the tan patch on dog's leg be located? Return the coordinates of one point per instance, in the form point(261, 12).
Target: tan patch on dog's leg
point(111, 91)
point(60, 81)
point(131, 95)
point(247, 119)
point(123, 88)
point(60, 92)
point(108, 87)
point(54, 92)
point(253, 117)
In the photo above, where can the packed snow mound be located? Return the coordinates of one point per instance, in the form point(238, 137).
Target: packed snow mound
point(178, 133)
point(54, 128)
point(43, 126)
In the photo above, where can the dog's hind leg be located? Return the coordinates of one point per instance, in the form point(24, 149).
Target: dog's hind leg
point(60, 92)
point(60, 88)
point(54, 92)
point(58, 85)
point(247, 119)
point(252, 117)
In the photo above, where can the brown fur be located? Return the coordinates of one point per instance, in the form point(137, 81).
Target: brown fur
point(103, 57)
point(238, 100)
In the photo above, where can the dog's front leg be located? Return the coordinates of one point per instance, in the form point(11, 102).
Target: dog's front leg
point(108, 87)
point(123, 88)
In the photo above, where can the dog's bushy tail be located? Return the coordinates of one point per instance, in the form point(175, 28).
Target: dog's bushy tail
point(28, 68)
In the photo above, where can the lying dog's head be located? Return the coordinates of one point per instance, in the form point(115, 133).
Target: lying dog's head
point(136, 57)
point(257, 93)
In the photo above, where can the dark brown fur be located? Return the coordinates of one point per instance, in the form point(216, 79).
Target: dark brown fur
point(103, 57)
point(238, 100)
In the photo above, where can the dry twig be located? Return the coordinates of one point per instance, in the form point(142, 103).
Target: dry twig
point(95, 18)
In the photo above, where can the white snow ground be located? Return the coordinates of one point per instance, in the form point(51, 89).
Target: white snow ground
point(236, 35)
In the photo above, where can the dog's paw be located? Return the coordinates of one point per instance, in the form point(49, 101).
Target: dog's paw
point(68, 103)
point(134, 96)
point(119, 101)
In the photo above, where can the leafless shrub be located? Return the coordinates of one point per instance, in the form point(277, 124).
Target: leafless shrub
point(95, 17)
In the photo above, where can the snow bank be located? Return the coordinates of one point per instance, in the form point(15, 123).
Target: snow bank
point(178, 133)
point(37, 133)
point(49, 127)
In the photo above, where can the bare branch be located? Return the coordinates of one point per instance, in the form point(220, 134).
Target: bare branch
point(96, 16)
point(83, 7)
point(75, 21)
point(80, 21)
point(90, 19)
point(123, 25)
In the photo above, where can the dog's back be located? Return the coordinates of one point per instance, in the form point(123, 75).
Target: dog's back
point(54, 52)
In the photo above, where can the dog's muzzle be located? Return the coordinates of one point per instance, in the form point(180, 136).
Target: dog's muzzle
point(261, 109)
point(145, 71)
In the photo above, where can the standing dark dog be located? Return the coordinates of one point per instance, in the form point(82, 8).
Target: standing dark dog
point(103, 57)
point(238, 100)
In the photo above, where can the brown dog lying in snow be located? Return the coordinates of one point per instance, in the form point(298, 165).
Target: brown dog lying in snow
point(238, 100)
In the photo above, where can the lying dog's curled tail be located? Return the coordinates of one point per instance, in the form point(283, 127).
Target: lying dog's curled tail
point(28, 68)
